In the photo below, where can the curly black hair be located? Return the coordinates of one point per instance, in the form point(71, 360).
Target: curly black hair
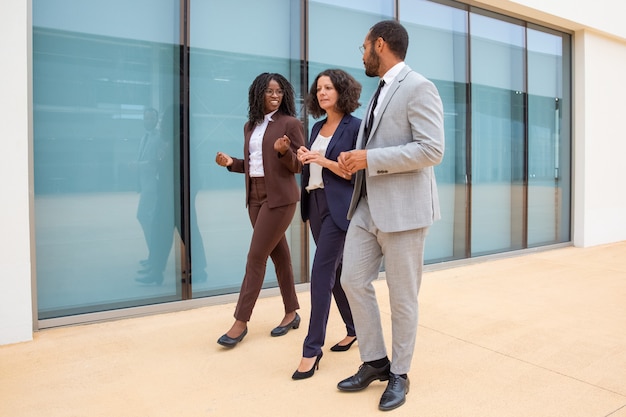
point(348, 90)
point(256, 97)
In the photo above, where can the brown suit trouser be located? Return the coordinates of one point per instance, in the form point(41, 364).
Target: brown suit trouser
point(268, 240)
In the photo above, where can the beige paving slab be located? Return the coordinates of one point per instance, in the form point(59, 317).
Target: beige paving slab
point(539, 335)
point(621, 412)
point(455, 376)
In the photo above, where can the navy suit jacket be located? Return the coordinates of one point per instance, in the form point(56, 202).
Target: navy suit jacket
point(338, 190)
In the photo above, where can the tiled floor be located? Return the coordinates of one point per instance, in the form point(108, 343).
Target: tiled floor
point(540, 335)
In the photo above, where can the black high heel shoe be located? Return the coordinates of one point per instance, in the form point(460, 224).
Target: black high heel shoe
point(310, 372)
point(342, 348)
point(231, 342)
point(282, 330)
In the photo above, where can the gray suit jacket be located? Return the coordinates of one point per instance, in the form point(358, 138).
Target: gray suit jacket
point(406, 142)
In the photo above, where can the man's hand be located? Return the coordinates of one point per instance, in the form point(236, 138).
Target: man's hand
point(352, 161)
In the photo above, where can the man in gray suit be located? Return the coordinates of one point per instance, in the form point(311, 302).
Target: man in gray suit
point(395, 201)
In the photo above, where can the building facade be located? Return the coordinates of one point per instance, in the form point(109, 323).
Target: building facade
point(114, 113)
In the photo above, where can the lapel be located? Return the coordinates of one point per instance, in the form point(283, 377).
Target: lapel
point(337, 135)
point(273, 130)
point(382, 106)
point(315, 131)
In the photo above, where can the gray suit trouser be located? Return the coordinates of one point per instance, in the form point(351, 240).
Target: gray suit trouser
point(404, 254)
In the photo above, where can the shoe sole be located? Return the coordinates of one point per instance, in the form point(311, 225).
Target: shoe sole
point(381, 408)
point(285, 329)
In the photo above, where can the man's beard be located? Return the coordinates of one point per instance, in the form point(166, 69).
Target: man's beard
point(372, 64)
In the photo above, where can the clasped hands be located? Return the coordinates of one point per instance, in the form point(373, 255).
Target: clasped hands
point(352, 161)
point(281, 145)
point(348, 162)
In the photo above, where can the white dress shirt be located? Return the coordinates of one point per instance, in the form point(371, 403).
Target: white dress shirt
point(256, 146)
point(389, 76)
point(315, 179)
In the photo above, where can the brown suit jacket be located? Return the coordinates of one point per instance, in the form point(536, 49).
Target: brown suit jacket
point(280, 182)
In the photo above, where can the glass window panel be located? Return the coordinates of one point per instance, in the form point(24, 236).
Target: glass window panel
point(327, 50)
point(438, 50)
point(548, 139)
point(106, 193)
point(498, 157)
point(224, 60)
point(98, 177)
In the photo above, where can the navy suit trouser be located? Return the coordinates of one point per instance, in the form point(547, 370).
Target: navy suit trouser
point(325, 274)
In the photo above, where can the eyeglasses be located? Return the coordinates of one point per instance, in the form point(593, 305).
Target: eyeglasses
point(362, 47)
point(270, 92)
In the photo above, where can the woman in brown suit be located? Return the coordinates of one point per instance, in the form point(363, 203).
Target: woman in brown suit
point(272, 137)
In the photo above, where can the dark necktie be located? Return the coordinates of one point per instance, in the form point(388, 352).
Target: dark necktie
point(142, 147)
point(368, 128)
point(370, 117)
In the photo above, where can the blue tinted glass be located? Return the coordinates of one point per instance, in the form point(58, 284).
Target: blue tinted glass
point(438, 50)
point(327, 50)
point(105, 113)
point(497, 69)
point(548, 138)
point(224, 60)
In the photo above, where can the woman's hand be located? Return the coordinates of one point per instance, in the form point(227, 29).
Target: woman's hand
point(302, 151)
point(282, 145)
point(223, 160)
point(306, 157)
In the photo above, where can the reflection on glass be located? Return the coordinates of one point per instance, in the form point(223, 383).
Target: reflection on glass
point(355, 17)
point(156, 206)
point(498, 157)
point(329, 50)
point(223, 63)
point(107, 122)
point(438, 50)
point(103, 155)
point(548, 138)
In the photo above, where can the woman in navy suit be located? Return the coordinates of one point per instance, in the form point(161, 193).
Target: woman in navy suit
point(325, 199)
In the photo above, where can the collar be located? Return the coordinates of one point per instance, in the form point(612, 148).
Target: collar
point(268, 116)
point(391, 74)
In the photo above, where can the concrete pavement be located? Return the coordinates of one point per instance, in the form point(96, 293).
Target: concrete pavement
point(538, 335)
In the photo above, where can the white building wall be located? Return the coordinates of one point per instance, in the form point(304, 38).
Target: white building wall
point(598, 118)
point(599, 139)
point(16, 321)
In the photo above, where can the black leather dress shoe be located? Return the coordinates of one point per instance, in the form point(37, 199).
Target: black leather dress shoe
point(282, 330)
point(395, 393)
point(231, 342)
point(364, 376)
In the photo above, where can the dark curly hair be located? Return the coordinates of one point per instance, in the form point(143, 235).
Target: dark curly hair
point(256, 97)
point(394, 34)
point(348, 90)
